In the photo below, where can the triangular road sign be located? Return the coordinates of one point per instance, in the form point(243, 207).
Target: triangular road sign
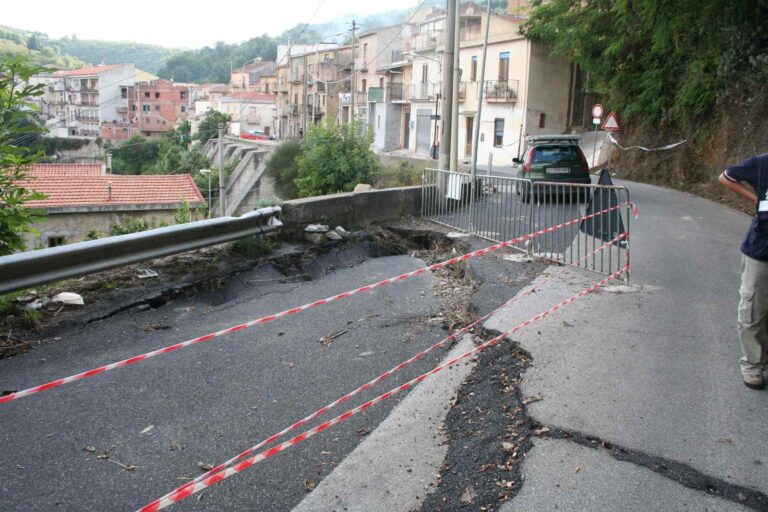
point(612, 122)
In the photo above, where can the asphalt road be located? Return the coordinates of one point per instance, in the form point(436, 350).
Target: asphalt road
point(210, 402)
point(653, 370)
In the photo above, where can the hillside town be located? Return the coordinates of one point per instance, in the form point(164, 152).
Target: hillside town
point(392, 85)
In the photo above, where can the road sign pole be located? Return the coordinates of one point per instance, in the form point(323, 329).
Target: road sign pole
point(594, 148)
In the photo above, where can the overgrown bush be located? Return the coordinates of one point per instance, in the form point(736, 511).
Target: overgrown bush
point(283, 167)
point(335, 158)
point(130, 224)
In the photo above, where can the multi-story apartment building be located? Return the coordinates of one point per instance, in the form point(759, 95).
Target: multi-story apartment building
point(526, 91)
point(250, 112)
point(81, 99)
point(380, 69)
point(311, 82)
point(203, 99)
point(149, 109)
point(251, 76)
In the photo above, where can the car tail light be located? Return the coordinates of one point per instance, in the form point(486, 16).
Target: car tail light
point(527, 164)
point(584, 160)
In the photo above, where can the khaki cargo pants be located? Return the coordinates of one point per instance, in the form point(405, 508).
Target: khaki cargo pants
point(753, 315)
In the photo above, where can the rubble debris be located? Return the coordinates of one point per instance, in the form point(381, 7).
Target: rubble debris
point(146, 273)
point(363, 187)
point(316, 228)
point(66, 299)
point(333, 235)
point(342, 232)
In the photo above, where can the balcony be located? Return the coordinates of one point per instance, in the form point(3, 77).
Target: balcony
point(282, 87)
point(422, 92)
point(296, 77)
point(423, 42)
point(501, 91)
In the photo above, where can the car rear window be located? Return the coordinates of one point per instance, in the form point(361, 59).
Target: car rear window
point(554, 154)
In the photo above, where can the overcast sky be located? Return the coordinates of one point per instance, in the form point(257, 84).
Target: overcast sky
point(179, 24)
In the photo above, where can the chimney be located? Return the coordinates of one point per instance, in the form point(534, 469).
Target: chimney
point(109, 191)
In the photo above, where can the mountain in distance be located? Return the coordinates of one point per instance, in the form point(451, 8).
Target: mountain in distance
point(148, 57)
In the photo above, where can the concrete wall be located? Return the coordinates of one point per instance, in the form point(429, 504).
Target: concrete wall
point(110, 83)
point(350, 210)
point(549, 84)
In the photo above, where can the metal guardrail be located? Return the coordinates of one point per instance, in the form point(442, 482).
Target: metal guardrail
point(504, 208)
point(26, 269)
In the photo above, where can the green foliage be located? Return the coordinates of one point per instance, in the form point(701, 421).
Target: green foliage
point(666, 63)
point(184, 214)
point(335, 158)
point(283, 167)
point(211, 64)
point(208, 128)
point(92, 235)
point(137, 155)
point(253, 246)
point(15, 42)
point(52, 145)
point(15, 113)
point(147, 57)
point(130, 224)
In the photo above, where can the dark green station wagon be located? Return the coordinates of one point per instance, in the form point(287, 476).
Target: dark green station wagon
point(552, 158)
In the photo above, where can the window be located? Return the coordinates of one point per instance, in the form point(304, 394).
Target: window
point(364, 83)
point(133, 107)
point(183, 108)
point(365, 50)
point(123, 92)
point(145, 108)
point(381, 82)
point(473, 69)
point(498, 129)
point(182, 95)
point(55, 241)
point(503, 66)
point(542, 120)
point(424, 73)
point(157, 95)
point(146, 94)
point(157, 108)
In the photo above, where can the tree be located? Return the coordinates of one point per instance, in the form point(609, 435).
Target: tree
point(283, 167)
point(209, 125)
point(335, 158)
point(33, 43)
point(662, 62)
point(137, 155)
point(15, 115)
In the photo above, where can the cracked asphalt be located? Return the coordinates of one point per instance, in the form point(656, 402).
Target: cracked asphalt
point(68, 448)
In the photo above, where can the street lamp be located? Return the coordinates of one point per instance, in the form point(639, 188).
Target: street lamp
point(208, 172)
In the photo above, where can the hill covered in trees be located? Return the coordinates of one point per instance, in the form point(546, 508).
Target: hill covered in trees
point(148, 57)
point(34, 46)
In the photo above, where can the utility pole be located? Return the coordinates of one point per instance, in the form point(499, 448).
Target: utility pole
point(353, 79)
point(304, 109)
point(222, 179)
point(454, 148)
point(448, 60)
point(476, 134)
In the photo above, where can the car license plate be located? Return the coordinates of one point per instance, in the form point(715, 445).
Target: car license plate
point(558, 170)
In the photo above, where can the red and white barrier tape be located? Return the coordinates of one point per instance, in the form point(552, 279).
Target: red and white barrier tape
point(187, 490)
point(397, 368)
point(263, 320)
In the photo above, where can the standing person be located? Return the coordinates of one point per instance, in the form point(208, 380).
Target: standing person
point(749, 179)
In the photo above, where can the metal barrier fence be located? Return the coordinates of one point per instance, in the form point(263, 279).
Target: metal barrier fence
point(501, 208)
point(498, 211)
point(555, 203)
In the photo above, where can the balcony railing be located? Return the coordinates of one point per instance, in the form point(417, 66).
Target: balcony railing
point(423, 42)
point(376, 95)
point(296, 77)
point(422, 92)
point(501, 91)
